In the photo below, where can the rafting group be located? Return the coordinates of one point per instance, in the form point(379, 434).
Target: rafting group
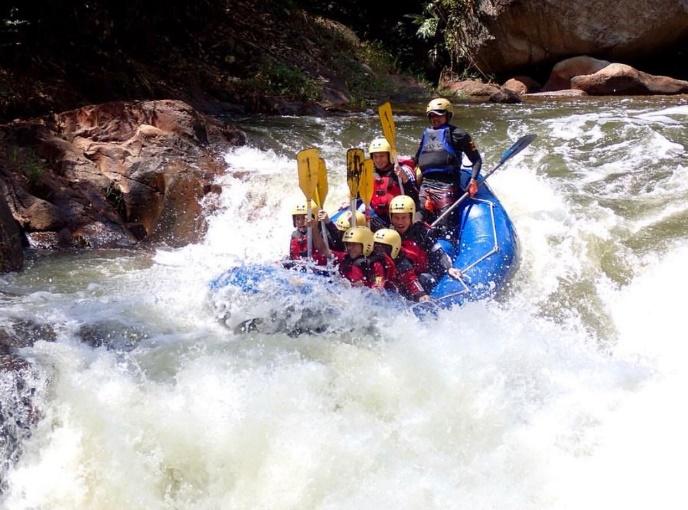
point(402, 207)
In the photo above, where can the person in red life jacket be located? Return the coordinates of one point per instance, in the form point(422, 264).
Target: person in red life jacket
point(419, 243)
point(355, 265)
point(439, 159)
point(387, 177)
point(400, 274)
point(335, 230)
point(298, 246)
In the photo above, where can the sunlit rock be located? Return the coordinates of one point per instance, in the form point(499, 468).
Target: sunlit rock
point(521, 85)
point(114, 174)
point(623, 79)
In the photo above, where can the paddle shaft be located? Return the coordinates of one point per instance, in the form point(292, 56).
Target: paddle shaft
point(517, 147)
point(389, 130)
point(309, 236)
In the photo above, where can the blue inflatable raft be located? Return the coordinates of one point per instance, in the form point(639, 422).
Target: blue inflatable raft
point(486, 252)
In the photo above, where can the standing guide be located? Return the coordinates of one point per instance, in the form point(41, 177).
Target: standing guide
point(439, 158)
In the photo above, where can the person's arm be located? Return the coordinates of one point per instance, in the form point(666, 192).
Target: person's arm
point(407, 174)
point(411, 189)
point(439, 261)
point(408, 280)
point(378, 222)
point(463, 142)
point(333, 234)
point(318, 242)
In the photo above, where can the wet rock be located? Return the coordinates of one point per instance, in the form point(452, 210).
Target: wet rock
point(622, 79)
point(11, 251)
point(18, 333)
point(559, 93)
point(521, 85)
point(112, 335)
point(527, 32)
point(505, 96)
point(562, 72)
point(82, 178)
point(449, 85)
point(20, 385)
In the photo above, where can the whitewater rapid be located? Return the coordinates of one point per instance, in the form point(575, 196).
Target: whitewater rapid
point(563, 394)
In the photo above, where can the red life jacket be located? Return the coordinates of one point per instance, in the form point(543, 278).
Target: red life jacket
point(298, 248)
point(355, 270)
point(406, 281)
point(383, 271)
point(385, 189)
point(417, 255)
point(413, 243)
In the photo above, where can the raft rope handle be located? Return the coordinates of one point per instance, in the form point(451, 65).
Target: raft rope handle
point(495, 246)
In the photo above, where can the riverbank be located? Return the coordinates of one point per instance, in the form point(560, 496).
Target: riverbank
point(261, 57)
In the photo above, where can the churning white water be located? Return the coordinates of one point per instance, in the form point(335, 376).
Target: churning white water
point(567, 392)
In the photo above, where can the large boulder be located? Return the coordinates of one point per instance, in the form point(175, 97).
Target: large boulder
point(527, 32)
point(11, 254)
point(114, 174)
point(562, 72)
point(521, 85)
point(450, 85)
point(505, 95)
point(622, 79)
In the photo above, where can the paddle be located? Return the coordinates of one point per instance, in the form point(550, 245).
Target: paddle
point(308, 163)
point(321, 188)
point(517, 147)
point(366, 185)
point(354, 170)
point(390, 132)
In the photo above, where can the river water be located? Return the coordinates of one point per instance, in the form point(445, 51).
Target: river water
point(564, 393)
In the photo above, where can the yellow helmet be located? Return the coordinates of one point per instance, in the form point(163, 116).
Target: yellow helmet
point(361, 235)
point(440, 106)
point(390, 238)
point(301, 208)
point(379, 145)
point(402, 204)
point(298, 210)
point(344, 221)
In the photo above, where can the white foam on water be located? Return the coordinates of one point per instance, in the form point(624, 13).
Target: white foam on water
point(495, 405)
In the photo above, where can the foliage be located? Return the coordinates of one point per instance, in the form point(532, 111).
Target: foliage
point(60, 54)
point(389, 25)
point(27, 162)
point(457, 28)
point(282, 79)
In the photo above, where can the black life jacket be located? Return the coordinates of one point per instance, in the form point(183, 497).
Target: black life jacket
point(437, 155)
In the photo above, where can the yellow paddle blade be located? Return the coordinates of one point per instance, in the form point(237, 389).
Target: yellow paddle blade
point(308, 161)
point(388, 128)
point(354, 168)
point(366, 184)
point(321, 187)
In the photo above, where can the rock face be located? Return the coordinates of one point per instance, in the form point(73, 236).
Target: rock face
point(11, 254)
point(527, 32)
point(562, 72)
point(622, 79)
point(449, 85)
point(521, 85)
point(505, 95)
point(111, 175)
